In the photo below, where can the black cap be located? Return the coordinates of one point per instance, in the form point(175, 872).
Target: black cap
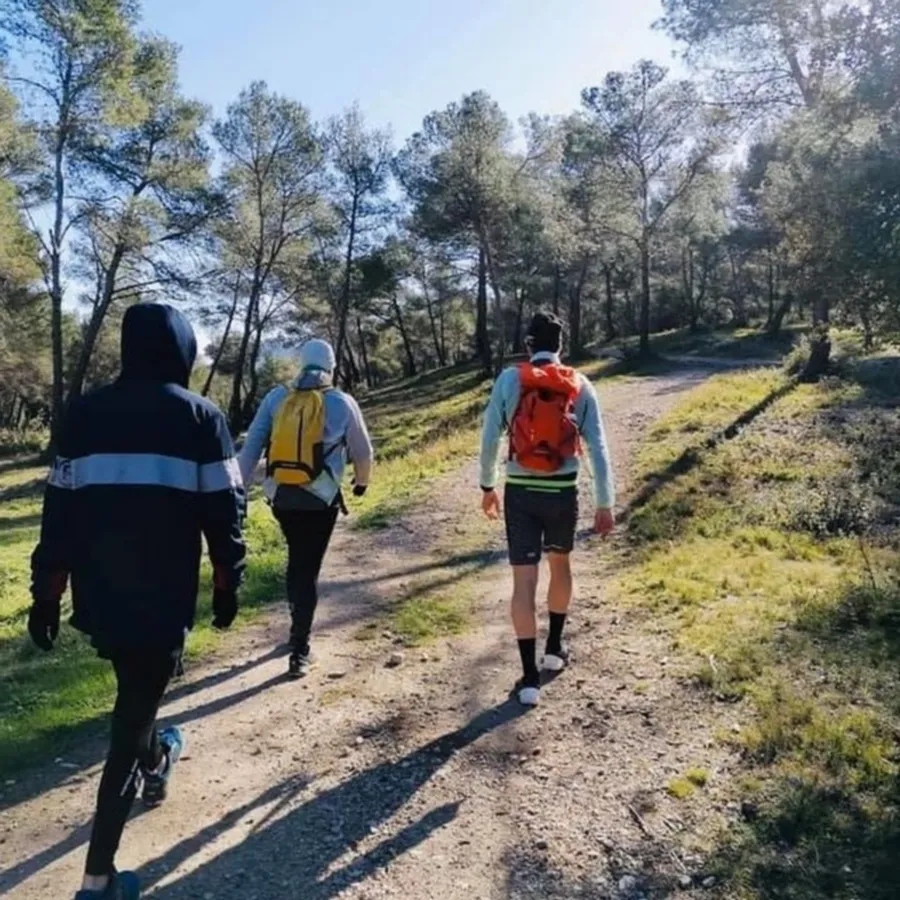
point(545, 333)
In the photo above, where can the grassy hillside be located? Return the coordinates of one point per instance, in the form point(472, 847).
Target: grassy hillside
point(735, 343)
point(770, 553)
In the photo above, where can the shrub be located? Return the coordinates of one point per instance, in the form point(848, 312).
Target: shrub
point(835, 507)
point(25, 440)
point(795, 361)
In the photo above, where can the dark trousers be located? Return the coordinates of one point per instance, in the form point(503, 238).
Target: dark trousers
point(134, 744)
point(307, 533)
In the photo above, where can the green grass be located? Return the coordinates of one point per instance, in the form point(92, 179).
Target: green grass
point(772, 560)
point(425, 611)
point(684, 786)
point(425, 614)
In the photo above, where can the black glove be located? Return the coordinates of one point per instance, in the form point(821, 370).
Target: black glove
point(43, 623)
point(359, 490)
point(47, 589)
point(225, 607)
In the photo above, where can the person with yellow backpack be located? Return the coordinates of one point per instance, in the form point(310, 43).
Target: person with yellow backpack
point(308, 432)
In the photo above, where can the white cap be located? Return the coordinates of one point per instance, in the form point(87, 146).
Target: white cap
point(317, 354)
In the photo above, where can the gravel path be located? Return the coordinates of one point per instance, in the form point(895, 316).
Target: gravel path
point(420, 779)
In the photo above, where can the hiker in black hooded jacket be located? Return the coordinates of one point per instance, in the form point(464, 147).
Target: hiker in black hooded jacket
point(144, 469)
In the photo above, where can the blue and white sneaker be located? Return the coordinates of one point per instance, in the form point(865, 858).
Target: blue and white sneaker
point(122, 886)
point(156, 783)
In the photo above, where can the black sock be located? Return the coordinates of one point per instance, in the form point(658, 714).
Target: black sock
point(528, 650)
point(554, 639)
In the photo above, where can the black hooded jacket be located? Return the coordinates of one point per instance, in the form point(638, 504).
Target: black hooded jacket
point(144, 468)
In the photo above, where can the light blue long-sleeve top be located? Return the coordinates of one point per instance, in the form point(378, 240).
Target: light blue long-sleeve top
point(346, 437)
point(500, 411)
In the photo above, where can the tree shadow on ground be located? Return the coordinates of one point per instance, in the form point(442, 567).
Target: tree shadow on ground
point(87, 745)
point(28, 490)
point(532, 875)
point(691, 458)
point(291, 856)
point(18, 463)
point(465, 563)
point(810, 839)
point(27, 520)
point(861, 630)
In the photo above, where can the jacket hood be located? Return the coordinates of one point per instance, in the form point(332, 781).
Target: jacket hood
point(158, 344)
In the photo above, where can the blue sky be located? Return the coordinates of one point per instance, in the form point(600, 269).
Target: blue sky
point(402, 59)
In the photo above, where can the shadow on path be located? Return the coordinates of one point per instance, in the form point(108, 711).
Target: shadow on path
point(92, 748)
point(292, 855)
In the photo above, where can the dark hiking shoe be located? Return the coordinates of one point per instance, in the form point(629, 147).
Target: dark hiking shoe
point(156, 784)
point(122, 886)
point(298, 665)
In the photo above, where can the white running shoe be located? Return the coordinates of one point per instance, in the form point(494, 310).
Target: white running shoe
point(555, 662)
point(528, 694)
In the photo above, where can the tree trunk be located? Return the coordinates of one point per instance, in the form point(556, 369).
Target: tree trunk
point(820, 344)
point(253, 387)
point(520, 318)
point(645, 296)
point(56, 292)
point(407, 346)
point(499, 321)
point(95, 324)
point(687, 277)
point(740, 307)
point(365, 354)
point(438, 349)
point(344, 311)
point(217, 359)
point(868, 333)
point(778, 319)
point(236, 405)
point(482, 338)
point(557, 288)
point(441, 328)
point(352, 376)
point(771, 286)
point(91, 333)
point(575, 341)
point(610, 301)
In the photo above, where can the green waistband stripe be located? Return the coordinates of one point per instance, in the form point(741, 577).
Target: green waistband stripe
point(542, 484)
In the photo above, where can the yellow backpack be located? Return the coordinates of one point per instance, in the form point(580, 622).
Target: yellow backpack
point(297, 446)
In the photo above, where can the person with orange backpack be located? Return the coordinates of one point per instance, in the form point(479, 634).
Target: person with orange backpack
point(308, 432)
point(547, 410)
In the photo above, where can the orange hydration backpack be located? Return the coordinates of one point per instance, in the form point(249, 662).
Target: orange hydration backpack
point(543, 433)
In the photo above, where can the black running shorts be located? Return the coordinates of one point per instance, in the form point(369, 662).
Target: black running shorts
point(539, 520)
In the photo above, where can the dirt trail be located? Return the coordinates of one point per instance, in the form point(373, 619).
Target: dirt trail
point(421, 780)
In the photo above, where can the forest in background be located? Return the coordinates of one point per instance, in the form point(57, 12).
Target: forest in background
point(762, 190)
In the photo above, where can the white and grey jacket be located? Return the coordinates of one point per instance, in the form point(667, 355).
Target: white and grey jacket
point(346, 437)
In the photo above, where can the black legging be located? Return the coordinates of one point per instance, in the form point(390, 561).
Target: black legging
point(134, 743)
point(307, 533)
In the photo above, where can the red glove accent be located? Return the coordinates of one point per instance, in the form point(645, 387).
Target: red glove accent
point(220, 579)
point(59, 581)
